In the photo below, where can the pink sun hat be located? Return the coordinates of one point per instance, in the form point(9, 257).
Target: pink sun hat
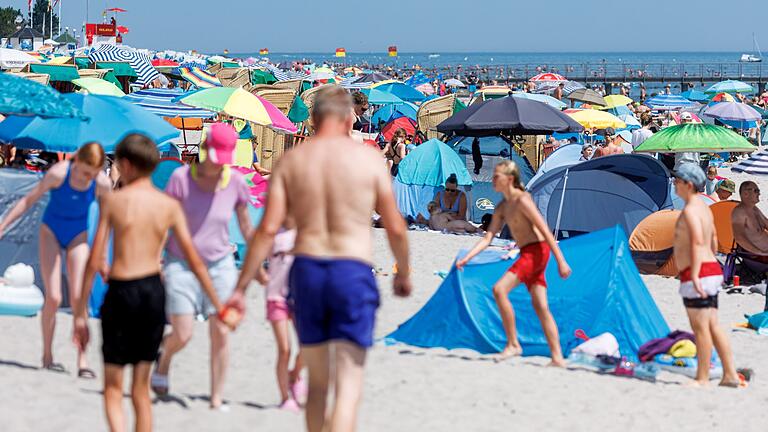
point(220, 141)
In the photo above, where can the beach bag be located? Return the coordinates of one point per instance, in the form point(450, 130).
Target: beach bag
point(604, 344)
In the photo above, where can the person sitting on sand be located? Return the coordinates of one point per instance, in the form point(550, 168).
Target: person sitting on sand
point(701, 277)
point(451, 200)
point(535, 240)
point(750, 226)
point(439, 221)
point(72, 187)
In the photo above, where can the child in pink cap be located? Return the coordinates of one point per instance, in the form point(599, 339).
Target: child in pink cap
point(292, 389)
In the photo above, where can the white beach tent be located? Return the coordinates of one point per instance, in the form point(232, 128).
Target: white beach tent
point(14, 59)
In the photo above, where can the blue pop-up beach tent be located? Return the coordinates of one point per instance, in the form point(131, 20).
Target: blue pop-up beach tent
point(599, 193)
point(423, 172)
point(604, 294)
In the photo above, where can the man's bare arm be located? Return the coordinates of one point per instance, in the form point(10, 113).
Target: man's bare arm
point(392, 220)
point(738, 224)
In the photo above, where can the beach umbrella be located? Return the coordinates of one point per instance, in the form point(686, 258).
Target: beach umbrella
point(164, 62)
point(587, 95)
point(426, 88)
point(734, 111)
point(163, 103)
point(15, 59)
point(550, 86)
point(98, 86)
point(722, 97)
point(590, 118)
point(549, 100)
point(24, 97)
point(453, 82)
point(613, 101)
point(378, 97)
point(695, 138)
point(238, 103)
point(756, 163)
point(110, 119)
point(695, 95)
point(668, 102)
point(548, 77)
point(363, 81)
point(198, 77)
point(508, 115)
point(400, 89)
point(630, 120)
point(139, 61)
point(391, 112)
point(730, 86)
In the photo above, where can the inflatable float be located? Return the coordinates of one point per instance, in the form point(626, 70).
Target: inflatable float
point(18, 293)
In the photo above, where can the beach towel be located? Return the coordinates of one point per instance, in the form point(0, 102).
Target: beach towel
point(758, 322)
point(662, 345)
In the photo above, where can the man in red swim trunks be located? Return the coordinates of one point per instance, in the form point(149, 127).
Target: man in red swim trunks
point(535, 239)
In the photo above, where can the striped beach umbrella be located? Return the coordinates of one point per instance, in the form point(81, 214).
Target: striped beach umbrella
point(162, 102)
point(757, 164)
point(140, 62)
point(548, 77)
point(730, 86)
point(199, 78)
point(238, 103)
point(668, 102)
point(282, 75)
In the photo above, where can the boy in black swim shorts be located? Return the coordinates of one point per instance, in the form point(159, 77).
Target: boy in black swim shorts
point(133, 313)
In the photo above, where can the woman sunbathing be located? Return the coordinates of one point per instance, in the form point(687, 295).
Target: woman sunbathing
point(440, 220)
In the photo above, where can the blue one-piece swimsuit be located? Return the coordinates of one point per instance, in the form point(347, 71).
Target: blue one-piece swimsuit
point(67, 212)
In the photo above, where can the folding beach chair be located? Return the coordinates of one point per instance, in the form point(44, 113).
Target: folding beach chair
point(751, 268)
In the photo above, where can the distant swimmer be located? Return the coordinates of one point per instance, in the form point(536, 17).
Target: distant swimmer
point(533, 236)
point(332, 285)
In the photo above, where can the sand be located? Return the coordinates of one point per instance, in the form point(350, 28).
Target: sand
point(405, 388)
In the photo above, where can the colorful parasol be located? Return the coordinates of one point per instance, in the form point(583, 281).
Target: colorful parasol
point(199, 78)
point(238, 103)
point(548, 76)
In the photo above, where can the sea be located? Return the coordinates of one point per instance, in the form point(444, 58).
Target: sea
point(497, 65)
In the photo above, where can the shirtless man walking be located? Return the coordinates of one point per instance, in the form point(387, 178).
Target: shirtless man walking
point(332, 286)
point(133, 313)
point(535, 240)
point(700, 275)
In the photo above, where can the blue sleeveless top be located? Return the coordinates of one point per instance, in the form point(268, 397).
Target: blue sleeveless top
point(452, 209)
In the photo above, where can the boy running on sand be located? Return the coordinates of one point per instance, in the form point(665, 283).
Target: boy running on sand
point(535, 240)
point(133, 313)
point(700, 275)
point(332, 286)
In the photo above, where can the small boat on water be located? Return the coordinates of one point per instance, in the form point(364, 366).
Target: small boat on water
point(752, 58)
point(434, 55)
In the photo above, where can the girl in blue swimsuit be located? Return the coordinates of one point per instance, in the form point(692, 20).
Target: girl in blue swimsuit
point(73, 187)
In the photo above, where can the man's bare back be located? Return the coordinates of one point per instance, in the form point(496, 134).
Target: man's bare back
point(139, 235)
point(332, 186)
point(750, 229)
point(519, 226)
point(697, 212)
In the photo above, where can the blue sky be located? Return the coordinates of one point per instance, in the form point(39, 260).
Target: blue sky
point(429, 25)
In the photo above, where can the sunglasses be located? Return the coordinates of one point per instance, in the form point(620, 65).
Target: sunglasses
point(451, 190)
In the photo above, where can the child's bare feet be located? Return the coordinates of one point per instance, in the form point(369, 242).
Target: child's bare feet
point(509, 352)
point(557, 363)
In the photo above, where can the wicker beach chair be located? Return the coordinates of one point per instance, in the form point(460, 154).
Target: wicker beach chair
point(234, 77)
point(308, 97)
point(295, 85)
point(39, 78)
point(432, 113)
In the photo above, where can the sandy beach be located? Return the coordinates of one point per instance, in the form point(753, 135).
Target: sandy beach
point(406, 388)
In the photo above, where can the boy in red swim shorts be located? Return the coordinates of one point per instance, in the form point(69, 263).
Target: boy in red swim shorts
point(532, 234)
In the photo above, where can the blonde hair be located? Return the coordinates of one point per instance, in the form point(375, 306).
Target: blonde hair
point(511, 169)
point(91, 154)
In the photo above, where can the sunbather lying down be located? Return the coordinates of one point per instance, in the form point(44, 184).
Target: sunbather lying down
point(439, 221)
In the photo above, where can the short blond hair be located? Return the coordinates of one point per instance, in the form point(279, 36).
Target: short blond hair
point(510, 168)
point(331, 101)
